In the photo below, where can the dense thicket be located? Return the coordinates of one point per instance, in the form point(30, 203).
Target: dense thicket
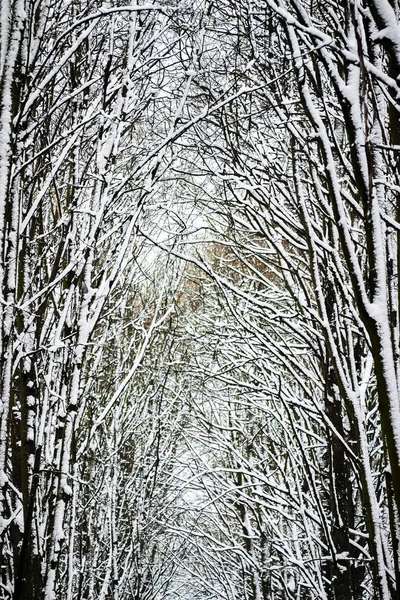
point(200, 335)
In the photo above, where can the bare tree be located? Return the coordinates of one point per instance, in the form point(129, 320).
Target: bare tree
point(89, 105)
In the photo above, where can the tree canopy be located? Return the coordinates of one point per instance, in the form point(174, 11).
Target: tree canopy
point(200, 361)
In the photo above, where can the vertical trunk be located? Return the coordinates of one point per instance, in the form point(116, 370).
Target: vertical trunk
point(339, 586)
point(345, 577)
point(11, 80)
